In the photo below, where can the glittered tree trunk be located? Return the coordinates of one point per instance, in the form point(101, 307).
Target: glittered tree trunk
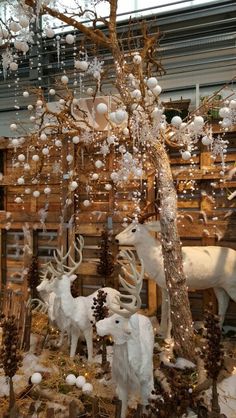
point(181, 317)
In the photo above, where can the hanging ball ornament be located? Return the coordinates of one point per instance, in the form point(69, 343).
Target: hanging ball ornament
point(198, 121)
point(70, 379)
point(39, 103)
point(137, 59)
point(232, 104)
point(70, 39)
point(15, 142)
point(80, 381)
point(69, 158)
point(47, 190)
point(226, 123)
point(25, 94)
point(87, 388)
point(98, 163)
point(75, 139)
point(73, 185)
point(43, 137)
point(13, 127)
point(45, 151)
point(27, 190)
point(64, 79)
point(62, 102)
point(21, 158)
point(90, 91)
point(86, 203)
point(136, 94)
point(81, 65)
point(20, 181)
point(14, 66)
point(35, 158)
point(186, 155)
point(102, 108)
point(206, 140)
point(58, 143)
point(49, 32)
point(26, 167)
point(36, 193)
point(95, 176)
point(18, 200)
point(36, 378)
point(126, 132)
point(108, 186)
point(152, 82)
point(24, 21)
point(52, 92)
point(30, 107)
point(224, 112)
point(157, 90)
point(120, 116)
point(176, 121)
point(14, 26)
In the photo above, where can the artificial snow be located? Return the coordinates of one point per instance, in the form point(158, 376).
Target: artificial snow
point(227, 396)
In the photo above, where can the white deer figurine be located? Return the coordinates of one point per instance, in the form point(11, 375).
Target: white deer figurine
point(204, 267)
point(77, 311)
point(132, 365)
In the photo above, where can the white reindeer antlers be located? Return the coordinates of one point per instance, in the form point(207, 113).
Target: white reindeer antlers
point(60, 259)
point(134, 304)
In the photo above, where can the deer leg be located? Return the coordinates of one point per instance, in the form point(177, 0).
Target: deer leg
point(88, 335)
point(223, 302)
point(74, 340)
point(60, 341)
point(122, 393)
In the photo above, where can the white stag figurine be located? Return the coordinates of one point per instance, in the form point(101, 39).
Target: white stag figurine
point(51, 300)
point(132, 333)
point(204, 267)
point(77, 311)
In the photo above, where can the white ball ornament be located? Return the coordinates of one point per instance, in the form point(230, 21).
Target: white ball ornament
point(126, 132)
point(108, 186)
point(96, 75)
point(120, 115)
point(186, 155)
point(23, 21)
point(70, 379)
point(21, 158)
point(75, 139)
point(20, 181)
point(152, 82)
point(95, 176)
point(86, 203)
point(176, 121)
point(27, 190)
point(157, 90)
point(13, 66)
point(35, 158)
point(224, 112)
point(45, 151)
point(232, 104)
point(24, 47)
point(157, 113)
point(70, 39)
point(69, 158)
point(36, 378)
point(14, 26)
point(206, 140)
point(58, 143)
point(137, 59)
point(64, 79)
point(90, 91)
point(32, 118)
point(50, 32)
point(47, 190)
point(39, 103)
point(30, 107)
point(43, 137)
point(80, 381)
point(36, 194)
point(26, 167)
point(98, 163)
point(136, 94)
point(25, 94)
point(62, 102)
point(198, 121)
point(81, 65)
point(87, 388)
point(226, 123)
point(13, 127)
point(102, 108)
point(112, 117)
point(73, 185)
point(15, 142)
point(52, 92)
point(18, 200)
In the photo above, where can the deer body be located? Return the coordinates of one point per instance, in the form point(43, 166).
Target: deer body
point(132, 365)
point(204, 267)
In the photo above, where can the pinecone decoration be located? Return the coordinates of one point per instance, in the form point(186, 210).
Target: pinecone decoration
point(100, 311)
point(105, 267)
point(33, 277)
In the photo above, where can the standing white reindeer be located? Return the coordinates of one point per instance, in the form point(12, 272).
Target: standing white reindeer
point(204, 267)
point(77, 311)
point(132, 365)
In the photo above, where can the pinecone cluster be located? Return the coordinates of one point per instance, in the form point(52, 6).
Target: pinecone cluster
point(105, 267)
point(33, 277)
point(100, 310)
point(212, 352)
point(10, 359)
point(174, 404)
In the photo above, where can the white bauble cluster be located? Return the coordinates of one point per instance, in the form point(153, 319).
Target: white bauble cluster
point(81, 65)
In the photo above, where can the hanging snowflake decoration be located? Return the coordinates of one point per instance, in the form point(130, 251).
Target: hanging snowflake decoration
point(219, 147)
point(87, 137)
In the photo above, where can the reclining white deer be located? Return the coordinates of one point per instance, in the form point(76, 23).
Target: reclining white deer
point(204, 267)
point(132, 365)
point(77, 311)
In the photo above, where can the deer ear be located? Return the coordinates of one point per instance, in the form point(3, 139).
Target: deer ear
point(154, 226)
point(72, 277)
